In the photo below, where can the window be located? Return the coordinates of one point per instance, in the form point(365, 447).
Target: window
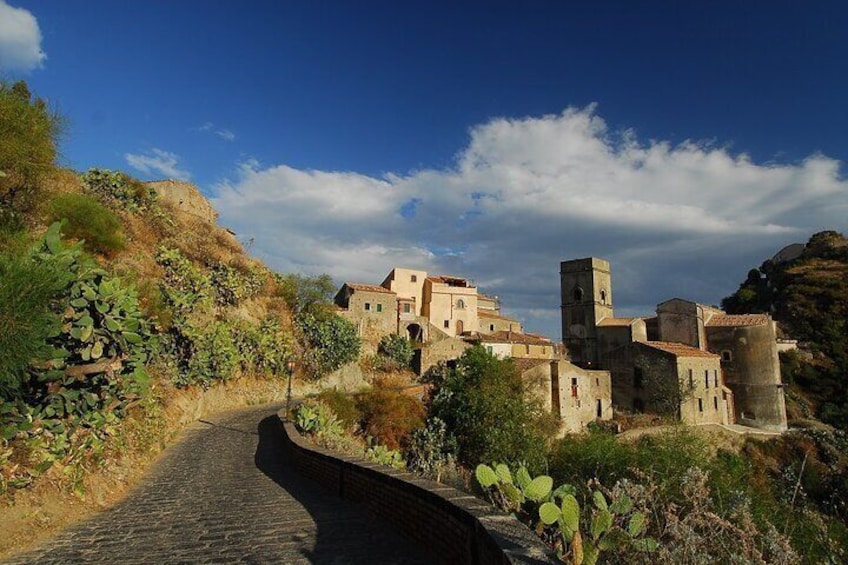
point(598, 408)
point(406, 308)
point(691, 379)
point(638, 377)
point(379, 307)
point(367, 306)
point(460, 304)
point(603, 296)
point(727, 355)
point(597, 382)
point(491, 327)
point(574, 387)
point(413, 278)
point(715, 402)
point(700, 405)
point(490, 349)
point(715, 378)
point(707, 379)
point(578, 293)
point(447, 323)
point(527, 349)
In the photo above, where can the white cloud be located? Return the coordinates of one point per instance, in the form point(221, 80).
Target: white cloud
point(158, 162)
point(20, 40)
point(683, 220)
point(223, 133)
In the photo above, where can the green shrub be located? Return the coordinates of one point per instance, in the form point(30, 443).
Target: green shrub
point(29, 293)
point(115, 187)
point(343, 405)
point(88, 220)
point(396, 348)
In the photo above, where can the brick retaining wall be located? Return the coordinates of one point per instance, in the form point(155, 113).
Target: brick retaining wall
point(453, 526)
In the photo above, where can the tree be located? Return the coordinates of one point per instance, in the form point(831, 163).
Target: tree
point(483, 405)
point(28, 151)
point(330, 342)
point(306, 294)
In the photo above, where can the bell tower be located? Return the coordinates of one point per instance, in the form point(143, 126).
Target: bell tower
point(586, 298)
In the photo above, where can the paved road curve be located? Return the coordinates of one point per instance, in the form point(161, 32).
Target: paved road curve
point(224, 494)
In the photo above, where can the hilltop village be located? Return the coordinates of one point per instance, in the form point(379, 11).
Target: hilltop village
point(689, 361)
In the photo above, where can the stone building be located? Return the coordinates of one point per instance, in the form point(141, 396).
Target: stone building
point(743, 347)
point(576, 396)
point(373, 309)
point(506, 344)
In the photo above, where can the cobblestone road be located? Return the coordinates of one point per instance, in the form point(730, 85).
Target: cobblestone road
point(223, 494)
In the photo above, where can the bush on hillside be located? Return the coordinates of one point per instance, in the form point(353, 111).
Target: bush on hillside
point(397, 349)
point(343, 405)
point(389, 416)
point(86, 219)
point(29, 301)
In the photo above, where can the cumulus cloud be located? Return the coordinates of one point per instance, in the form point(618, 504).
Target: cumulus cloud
point(683, 220)
point(223, 133)
point(20, 40)
point(158, 162)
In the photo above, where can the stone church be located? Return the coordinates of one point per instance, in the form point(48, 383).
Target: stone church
point(691, 361)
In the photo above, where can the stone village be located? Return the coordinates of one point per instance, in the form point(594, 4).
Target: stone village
point(690, 361)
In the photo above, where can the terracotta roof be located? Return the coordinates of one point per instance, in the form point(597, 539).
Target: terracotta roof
point(738, 320)
point(524, 365)
point(368, 288)
point(679, 349)
point(490, 314)
point(616, 321)
point(448, 279)
point(504, 336)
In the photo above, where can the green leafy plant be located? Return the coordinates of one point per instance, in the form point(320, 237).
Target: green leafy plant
point(115, 187)
point(556, 513)
point(88, 220)
point(396, 348)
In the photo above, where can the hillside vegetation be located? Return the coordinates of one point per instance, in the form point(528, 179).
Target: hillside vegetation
point(113, 297)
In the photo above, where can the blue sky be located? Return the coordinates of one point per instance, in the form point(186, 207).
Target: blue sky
point(685, 142)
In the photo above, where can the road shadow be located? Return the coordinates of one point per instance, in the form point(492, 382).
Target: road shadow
point(345, 534)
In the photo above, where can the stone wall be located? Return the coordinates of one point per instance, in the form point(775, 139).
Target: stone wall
point(453, 526)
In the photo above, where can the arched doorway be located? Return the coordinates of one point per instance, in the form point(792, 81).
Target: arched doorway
point(459, 327)
point(414, 332)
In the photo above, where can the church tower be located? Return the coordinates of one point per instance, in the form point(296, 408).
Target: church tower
point(586, 290)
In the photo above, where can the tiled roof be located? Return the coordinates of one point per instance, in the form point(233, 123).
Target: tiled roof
point(514, 337)
point(616, 321)
point(490, 314)
point(451, 280)
point(738, 320)
point(524, 365)
point(679, 349)
point(368, 288)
